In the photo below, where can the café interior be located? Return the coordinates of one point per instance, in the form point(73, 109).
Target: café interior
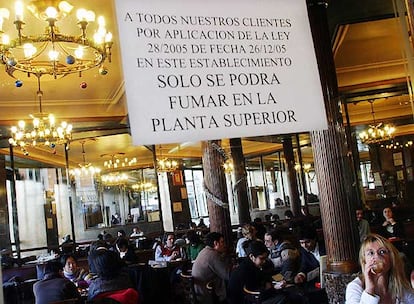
point(96, 179)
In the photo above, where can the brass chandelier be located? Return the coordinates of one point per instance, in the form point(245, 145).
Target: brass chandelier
point(52, 52)
point(164, 164)
point(376, 132)
point(43, 129)
point(117, 161)
point(84, 169)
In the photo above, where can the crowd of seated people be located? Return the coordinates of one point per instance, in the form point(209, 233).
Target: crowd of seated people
point(283, 265)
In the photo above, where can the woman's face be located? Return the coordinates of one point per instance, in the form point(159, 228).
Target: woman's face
point(387, 212)
point(70, 265)
point(375, 254)
point(259, 260)
point(170, 240)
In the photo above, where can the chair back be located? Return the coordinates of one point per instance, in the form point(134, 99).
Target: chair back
point(251, 297)
point(124, 296)
point(188, 288)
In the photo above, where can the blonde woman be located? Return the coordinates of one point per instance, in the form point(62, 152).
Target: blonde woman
point(382, 279)
point(249, 233)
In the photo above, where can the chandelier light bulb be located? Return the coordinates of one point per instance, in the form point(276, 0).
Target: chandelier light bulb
point(4, 13)
point(18, 7)
point(29, 50)
point(90, 16)
point(5, 39)
point(53, 55)
point(108, 37)
point(101, 22)
point(79, 52)
point(65, 7)
point(51, 12)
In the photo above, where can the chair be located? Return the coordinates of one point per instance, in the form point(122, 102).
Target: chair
point(124, 296)
point(210, 288)
point(188, 288)
point(250, 296)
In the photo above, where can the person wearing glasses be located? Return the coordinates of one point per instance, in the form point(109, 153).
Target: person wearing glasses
point(382, 278)
point(249, 275)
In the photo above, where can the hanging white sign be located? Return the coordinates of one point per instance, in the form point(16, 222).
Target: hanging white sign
point(197, 70)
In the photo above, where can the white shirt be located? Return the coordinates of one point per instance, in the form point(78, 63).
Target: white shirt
point(355, 294)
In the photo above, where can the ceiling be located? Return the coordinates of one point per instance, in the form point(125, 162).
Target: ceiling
point(370, 64)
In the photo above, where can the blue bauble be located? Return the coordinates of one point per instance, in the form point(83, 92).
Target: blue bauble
point(18, 83)
point(52, 146)
point(70, 59)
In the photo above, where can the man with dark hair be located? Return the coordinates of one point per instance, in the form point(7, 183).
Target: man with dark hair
point(126, 251)
point(54, 287)
point(310, 252)
point(283, 254)
point(210, 265)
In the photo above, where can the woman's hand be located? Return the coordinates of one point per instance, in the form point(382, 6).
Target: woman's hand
point(370, 278)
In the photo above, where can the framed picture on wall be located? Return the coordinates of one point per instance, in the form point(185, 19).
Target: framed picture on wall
point(177, 178)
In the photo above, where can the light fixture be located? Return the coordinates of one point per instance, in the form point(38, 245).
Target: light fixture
point(52, 52)
point(43, 130)
point(114, 179)
point(395, 145)
point(165, 164)
point(144, 187)
point(117, 162)
point(228, 166)
point(85, 169)
point(377, 132)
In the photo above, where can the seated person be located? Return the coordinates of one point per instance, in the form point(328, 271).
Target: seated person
point(169, 251)
point(284, 255)
point(72, 272)
point(195, 245)
point(310, 254)
point(211, 265)
point(249, 233)
point(362, 224)
point(54, 287)
point(126, 251)
point(111, 274)
point(249, 274)
point(136, 231)
point(67, 245)
point(390, 227)
point(382, 279)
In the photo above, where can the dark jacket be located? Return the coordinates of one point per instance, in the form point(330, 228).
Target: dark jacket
point(254, 279)
point(99, 285)
point(54, 288)
point(308, 262)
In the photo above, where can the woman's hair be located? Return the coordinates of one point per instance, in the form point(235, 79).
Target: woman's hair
point(165, 237)
point(193, 237)
point(397, 280)
point(106, 263)
point(255, 248)
point(65, 257)
point(248, 231)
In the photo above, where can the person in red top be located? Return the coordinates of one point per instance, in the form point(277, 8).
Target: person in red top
point(169, 251)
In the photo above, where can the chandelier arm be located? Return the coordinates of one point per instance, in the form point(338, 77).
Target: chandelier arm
point(39, 93)
point(372, 112)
